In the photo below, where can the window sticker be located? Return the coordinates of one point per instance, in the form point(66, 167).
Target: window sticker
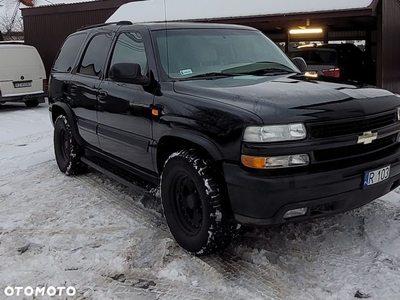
point(186, 72)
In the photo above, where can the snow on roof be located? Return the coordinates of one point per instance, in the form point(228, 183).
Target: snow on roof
point(176, 10)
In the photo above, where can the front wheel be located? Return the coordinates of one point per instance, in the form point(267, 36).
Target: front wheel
point(192, 200)
point(67, 150)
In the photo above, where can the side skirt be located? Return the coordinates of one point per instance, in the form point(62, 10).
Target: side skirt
point(120, 171)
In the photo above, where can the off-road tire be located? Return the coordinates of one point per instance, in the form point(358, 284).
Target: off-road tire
point(66, 149)
point(193, 201)
point(32, 103)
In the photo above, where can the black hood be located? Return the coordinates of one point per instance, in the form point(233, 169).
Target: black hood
point(291, 99)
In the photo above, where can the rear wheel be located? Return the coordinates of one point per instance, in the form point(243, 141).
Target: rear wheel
point(67, 150)
point(32, 103)
point(193, 204)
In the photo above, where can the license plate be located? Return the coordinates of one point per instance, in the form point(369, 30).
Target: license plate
point(22, 84)
point(373, 177)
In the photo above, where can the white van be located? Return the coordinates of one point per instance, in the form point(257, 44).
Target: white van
point(22, 74)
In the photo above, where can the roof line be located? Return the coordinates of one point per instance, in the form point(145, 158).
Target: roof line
point(374, 6)
point(61, 8)
point(290, 16)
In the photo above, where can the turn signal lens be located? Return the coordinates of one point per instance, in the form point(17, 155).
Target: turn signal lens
point(311, 74)
point(276, 162)
point(254, 162)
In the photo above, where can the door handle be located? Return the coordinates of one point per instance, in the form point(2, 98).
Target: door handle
point(102, 97)
point(73, 90)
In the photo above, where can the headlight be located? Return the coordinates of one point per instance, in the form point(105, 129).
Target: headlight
point(398, 113)
point(275, 133)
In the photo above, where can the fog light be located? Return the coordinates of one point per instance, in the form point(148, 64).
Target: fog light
point(398, 114)
point(295, 213)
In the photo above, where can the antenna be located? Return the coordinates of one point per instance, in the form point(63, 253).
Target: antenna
point(166, 35)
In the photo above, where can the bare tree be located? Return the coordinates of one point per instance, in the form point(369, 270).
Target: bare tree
point(8, 3)
point(10, 21)
point(9, 26)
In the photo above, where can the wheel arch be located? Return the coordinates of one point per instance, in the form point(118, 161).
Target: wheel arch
point(60, 108)
point(173, 142)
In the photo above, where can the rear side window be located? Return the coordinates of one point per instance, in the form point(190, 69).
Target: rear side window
point(66, 57)
point(350, 56)
point(95, 55)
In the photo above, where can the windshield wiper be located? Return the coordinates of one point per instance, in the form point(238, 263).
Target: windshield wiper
point(267, 71)
point(211, 75)
point(269, 68)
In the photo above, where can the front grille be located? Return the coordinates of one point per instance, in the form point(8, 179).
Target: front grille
point(354, 150)
point(350, 127)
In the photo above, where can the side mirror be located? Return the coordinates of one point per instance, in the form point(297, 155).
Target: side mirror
point(300, 64)
point(128, 73)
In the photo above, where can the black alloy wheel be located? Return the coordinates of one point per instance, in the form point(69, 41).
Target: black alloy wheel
point(195, 205)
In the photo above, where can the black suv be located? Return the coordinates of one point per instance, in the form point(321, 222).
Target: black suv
point(224, 122)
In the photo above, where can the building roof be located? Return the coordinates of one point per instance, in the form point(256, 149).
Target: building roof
point(177, 10)
point(63, 8)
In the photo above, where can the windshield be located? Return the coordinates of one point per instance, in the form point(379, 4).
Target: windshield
point(186, 54)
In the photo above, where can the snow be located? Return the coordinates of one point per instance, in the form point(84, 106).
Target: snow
point(109, 243)
point(175, 10)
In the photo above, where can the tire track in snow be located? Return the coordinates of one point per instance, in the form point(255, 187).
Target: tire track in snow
point(271, 281)
point(233, 269)
point(33, 138)
point(25, 152)
point(331, 257)
point(163, 287)
point(309, 257)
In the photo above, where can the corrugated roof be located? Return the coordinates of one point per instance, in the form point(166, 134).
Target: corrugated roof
point(73, 7)
point(176, 10)
point(70, 3)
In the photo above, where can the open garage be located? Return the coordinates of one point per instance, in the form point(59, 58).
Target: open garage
point(373, 22)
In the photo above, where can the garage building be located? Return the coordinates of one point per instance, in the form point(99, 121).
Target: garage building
point(376, 22)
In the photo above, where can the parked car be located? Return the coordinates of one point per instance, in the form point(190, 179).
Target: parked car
point(22, 74)
point(342, 61)
point(224, 122)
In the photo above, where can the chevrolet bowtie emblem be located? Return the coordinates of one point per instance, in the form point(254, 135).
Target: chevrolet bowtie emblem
point(367, 137)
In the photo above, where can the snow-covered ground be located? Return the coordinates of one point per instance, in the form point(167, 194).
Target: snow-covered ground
point(109, 243)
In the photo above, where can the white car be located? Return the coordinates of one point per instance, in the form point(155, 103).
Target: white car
point(22, 74)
